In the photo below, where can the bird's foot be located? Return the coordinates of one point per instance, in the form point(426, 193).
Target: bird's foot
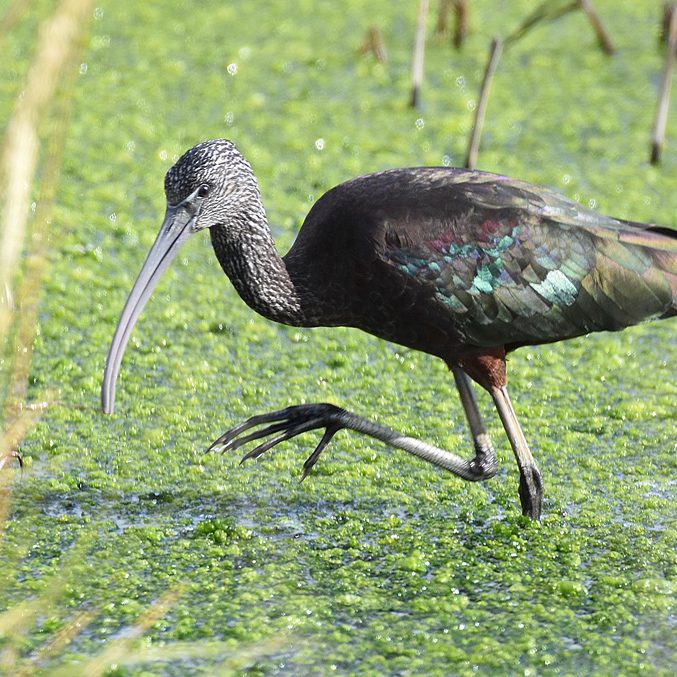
point(531, 492)
point(285, 424)
point(485, 464)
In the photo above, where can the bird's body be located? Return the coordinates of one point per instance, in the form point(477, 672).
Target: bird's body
point(463, 265)
point(449, 261)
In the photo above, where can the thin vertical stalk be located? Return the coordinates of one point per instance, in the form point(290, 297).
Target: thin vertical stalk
point(419, 53)
point(660, 122)
point(473, 147)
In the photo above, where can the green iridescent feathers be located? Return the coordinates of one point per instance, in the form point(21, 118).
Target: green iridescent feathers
point(529, 266)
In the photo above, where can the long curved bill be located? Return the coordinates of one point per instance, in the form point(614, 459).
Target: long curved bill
point(175, 230)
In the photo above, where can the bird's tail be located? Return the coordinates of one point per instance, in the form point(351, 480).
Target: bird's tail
point(665, 257)
point(661, 244)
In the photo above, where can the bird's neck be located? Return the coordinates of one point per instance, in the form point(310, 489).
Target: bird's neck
point(247, 254)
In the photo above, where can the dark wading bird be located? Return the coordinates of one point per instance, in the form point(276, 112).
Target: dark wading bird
point(464, 265)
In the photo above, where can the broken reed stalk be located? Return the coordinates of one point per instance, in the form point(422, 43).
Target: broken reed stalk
point(660, 122)
point(373, 42)
point(461, 11)
point(12, 16)
point(664, 34)
point(603, 38)
point(474, 145)
point(442, 25)
point(546, 11)
point(550, 10)
point(419, 52)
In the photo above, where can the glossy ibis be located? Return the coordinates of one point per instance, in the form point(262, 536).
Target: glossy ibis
point(464, 265)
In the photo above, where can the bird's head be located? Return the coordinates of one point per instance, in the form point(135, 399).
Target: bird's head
point(210, 185)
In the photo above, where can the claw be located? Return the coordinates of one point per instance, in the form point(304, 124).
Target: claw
point(233, 444)
point(299, 428)
point(284, 425)
point(312, 459)
point(252, 422)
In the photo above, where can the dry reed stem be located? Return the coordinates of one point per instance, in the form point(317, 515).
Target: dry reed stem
point(546, 11)
point(462, 12)
point(474, 144)
point(442, 25)
point(6, 480)
point(419, 54)
point(661, 120)
point(603, 39)
point(57, 48)
point(664, 33)
point(29, 290)
point(232, 661)
point(20, 155)
point(373, 42)
point(15, 621)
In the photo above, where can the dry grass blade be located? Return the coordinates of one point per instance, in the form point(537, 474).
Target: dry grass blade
point(226, 659)
point(16, 622)
point(19, 159)
point(58, 46)
point(19, 164)
point(120, 650)
point(59, 641)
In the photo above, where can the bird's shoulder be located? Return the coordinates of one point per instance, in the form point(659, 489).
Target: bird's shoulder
point(421, 205)
point(424, 219)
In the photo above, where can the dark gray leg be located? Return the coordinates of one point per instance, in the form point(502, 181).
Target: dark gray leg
point(485, 457)
point(278, 426)
point(531, 485)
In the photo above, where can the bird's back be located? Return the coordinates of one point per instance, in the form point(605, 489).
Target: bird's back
point(447, 260)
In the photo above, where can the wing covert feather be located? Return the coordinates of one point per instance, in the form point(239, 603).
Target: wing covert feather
point(515, 275)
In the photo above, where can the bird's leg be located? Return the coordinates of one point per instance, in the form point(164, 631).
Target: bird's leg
point(282, 425)
point(488, 369)
point(485, 457)
point(531, 485)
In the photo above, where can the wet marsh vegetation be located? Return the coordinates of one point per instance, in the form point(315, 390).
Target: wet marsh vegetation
point(128, 551)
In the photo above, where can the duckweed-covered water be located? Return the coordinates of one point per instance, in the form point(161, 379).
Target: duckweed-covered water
point(121, 533)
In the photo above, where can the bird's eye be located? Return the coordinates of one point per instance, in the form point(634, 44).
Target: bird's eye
point(203, 191)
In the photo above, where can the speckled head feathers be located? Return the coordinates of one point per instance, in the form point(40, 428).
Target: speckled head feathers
point(216, 162)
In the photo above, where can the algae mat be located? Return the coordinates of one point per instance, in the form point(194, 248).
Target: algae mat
point(128, 551)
